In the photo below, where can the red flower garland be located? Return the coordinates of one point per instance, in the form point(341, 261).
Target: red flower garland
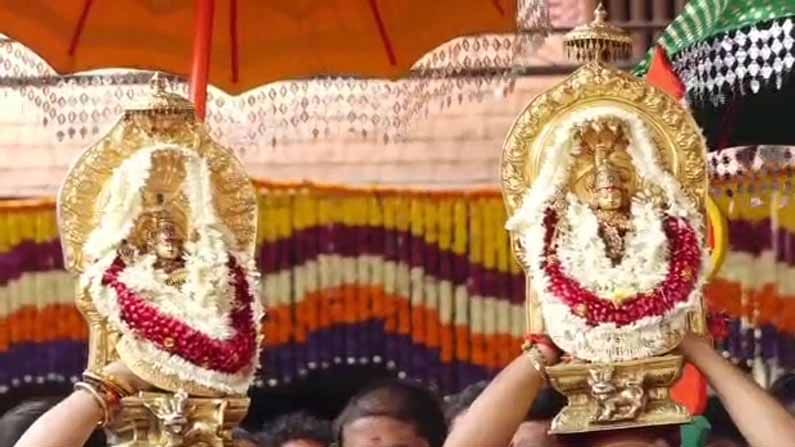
point(178, 338)
point(718, 325)
point(683, 270)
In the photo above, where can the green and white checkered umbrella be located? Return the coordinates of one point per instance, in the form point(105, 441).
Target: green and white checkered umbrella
point(721, 48)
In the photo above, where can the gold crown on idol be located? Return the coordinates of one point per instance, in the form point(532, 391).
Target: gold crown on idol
point(598, 41)
point(602, 135)
point(163, 210)
point(607, 176)
point(167, 173)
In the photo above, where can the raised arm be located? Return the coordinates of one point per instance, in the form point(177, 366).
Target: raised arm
point(71, 422)
point(68, 424)
point(494, 417)
point(762, 420)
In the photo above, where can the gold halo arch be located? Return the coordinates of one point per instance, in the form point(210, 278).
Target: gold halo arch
point(674, 131)
point(234, 195)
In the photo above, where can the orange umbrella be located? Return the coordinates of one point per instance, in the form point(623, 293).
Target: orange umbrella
point(249, 43)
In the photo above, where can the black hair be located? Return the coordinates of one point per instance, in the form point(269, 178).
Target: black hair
point(458, 403)
point(546, 405)
point(668, 433)
point(18, 419)
point(241, 434)
point(295, 426)
point(783, 389)
point(402, 400)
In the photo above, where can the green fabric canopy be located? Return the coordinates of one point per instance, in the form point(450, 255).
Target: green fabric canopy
point(702, 19)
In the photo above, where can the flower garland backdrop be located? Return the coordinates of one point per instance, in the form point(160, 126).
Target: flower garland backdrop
point(422, 283)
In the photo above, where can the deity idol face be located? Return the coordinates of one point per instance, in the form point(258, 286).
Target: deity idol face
point(605, 140)
point(168, 245)
point(609, 199)
point(609, 193)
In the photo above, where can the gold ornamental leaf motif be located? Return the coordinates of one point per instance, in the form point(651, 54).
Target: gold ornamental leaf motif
point(681, 147)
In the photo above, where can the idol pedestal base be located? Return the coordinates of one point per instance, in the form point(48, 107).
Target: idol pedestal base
point(163, 419)
point(617, 395)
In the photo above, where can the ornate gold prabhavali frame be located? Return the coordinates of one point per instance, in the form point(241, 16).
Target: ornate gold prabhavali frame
point(681, 152)
point(682, 148)
point(174, 416)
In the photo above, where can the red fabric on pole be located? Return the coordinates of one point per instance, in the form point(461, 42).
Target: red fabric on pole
point(234, 41)
point(661, 75)
point(81, 24)
point(379, 21)
point(202, 44)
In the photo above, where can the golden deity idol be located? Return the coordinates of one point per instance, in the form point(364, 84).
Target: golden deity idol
point(610, 193)
point(159, 222)
point(604, 179)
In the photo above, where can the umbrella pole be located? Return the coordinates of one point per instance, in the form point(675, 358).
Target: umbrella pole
point(202, 45)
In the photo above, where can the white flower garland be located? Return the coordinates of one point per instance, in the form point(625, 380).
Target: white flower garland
point(583, 255)
point(605, 342)
point(204, 300)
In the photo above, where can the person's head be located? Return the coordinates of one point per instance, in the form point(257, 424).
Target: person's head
point(299, 429)
point(391, 413)
point(243, 438)
point(723, 432)
point(534, 431)
point(16, 420)
point(456, 405)
point(667, 436)
point(783, 389)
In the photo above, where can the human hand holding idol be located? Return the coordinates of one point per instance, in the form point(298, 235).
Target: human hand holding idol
point(604, 179)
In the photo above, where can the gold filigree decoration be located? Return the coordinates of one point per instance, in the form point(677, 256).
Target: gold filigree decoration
point(679, 139)
point(621, 400)
point(175, 419)
point(681, 147)
point(618, 395)
point(167, 119)
point(598, 40)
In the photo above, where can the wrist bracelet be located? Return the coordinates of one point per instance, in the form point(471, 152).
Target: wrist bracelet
point(106, 391)
point(537, 360)
point(120, 387)
point(105, 402)
point(540, 339)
